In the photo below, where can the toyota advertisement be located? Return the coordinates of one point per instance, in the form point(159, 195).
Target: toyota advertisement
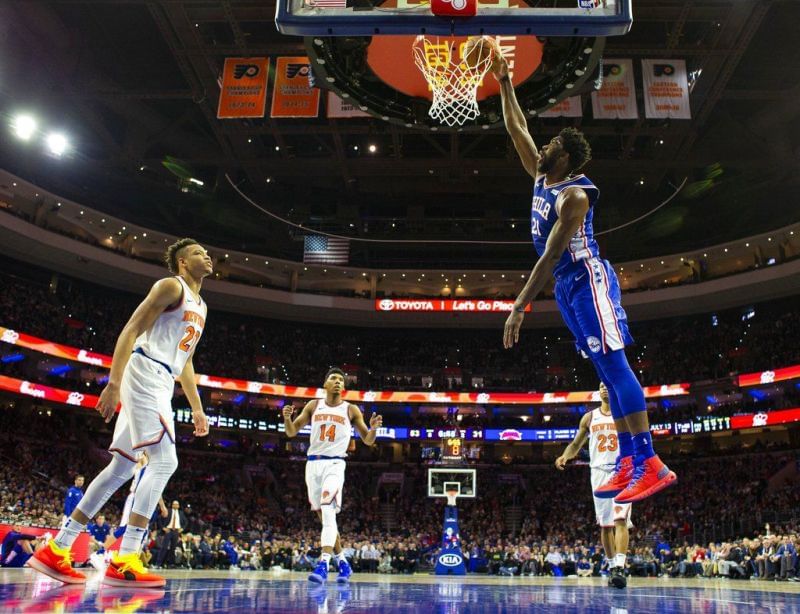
point(447, 305)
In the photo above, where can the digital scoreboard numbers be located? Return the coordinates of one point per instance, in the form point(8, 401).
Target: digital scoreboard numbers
point(452, 450)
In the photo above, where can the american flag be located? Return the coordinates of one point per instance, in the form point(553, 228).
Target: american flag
point(327, 4)
point(319, 249)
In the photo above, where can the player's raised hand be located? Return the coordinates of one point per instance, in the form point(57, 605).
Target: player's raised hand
point(375, 421)
point(511, 332)
point(561, 462)
point(200, 423)
point(499, 65)
point(288, 410)
point(108, 402)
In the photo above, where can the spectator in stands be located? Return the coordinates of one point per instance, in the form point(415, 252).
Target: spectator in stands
point(73, 496)
point(786, 559)
point(553, 562)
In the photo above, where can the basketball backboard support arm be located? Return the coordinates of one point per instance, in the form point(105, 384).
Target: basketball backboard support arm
point(294, 18)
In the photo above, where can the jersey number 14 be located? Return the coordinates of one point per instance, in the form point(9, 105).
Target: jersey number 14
point(327, 432)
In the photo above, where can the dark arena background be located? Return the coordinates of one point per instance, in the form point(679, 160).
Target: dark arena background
point(347, 227)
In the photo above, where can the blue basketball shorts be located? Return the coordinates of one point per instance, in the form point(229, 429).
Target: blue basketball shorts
point(590, 301)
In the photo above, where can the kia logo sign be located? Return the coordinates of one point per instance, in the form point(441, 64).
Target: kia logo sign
point(386, 305)
point(511, 435)
point(450, 560)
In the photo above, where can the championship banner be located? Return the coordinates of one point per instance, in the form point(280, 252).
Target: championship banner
point(243, 90)
point(293, 95)
point(468, 305)
point(336, 107)
point(666, 90)
point(616, 99)
point(569, 107)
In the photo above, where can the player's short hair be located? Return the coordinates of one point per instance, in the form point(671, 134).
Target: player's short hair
point(171, 255)
point(332, 371)
point(576, 145)
point(80, 476)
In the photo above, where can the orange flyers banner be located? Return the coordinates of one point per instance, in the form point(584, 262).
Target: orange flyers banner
point(293, 95)
point(244, 88)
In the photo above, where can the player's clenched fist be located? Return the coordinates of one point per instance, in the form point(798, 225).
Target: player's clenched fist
point(288, 410)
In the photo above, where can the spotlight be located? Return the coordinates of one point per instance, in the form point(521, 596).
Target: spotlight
point(56, 143)
point(373, 148)
point(24, 126)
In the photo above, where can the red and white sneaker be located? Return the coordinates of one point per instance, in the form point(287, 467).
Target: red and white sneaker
point(623, 472)
point(650, 477)
point(127, 570)
point(57, 563)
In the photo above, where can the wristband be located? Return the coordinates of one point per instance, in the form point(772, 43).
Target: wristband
point(519, 309)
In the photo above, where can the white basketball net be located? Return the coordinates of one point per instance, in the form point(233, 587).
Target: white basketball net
point(453, 82)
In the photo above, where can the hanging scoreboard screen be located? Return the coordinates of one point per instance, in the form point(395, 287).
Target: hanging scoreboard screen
point(452, 450)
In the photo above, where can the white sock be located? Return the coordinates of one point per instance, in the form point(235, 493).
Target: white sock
point(338, 557)
point(69, 533)
point(619, 560)
point(326, 558)
point(132, 539)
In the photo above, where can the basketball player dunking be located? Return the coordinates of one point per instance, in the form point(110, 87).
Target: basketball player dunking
point(330, 421)
point(598, 427)
point(587, 290)
point(154, 348)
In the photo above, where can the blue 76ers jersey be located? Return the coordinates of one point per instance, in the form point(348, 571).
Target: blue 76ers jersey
point(544, 214)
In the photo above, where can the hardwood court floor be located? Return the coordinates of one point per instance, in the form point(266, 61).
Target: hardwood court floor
point(23, 590)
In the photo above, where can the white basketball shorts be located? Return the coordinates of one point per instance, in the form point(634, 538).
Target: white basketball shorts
point(325, 482)
point(145, 418)
point(605, 509)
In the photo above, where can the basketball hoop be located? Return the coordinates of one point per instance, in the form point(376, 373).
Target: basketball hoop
point(453, 80)
point(452, 495)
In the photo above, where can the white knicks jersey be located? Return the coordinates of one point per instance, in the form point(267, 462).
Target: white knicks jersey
point(330, 430)
point(603, 444)
point(175, 332)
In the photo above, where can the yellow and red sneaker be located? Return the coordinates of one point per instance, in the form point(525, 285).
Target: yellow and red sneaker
point(127, 570)
point(619, 479)
point(649, 478)
point(57, 563)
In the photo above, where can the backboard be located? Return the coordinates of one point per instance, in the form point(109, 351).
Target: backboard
point(375, 17)
point(440, 479)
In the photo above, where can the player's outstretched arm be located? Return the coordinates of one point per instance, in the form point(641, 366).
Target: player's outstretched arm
point(513, 115)
point(294, 426)
point(571, 451)
point(368, 434)
point(574, 204)
point(164, 293)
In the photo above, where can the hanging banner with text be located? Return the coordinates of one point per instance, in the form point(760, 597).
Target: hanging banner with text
point(666, 90)
point(293, 95)
point(616, 99)
point(569, 107)
point(243, 89)
point(336, 107)
point(428, 304)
